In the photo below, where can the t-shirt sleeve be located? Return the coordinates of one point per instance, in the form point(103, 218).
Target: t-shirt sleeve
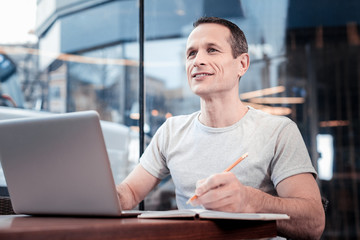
point(153, 159)
point(291, 156)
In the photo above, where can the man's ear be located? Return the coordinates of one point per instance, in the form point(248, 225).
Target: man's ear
point(244, 60)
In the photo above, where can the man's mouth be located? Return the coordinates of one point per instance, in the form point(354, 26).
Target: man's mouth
point(196, 75)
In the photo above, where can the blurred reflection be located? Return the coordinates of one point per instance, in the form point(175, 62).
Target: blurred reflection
point(325, 146)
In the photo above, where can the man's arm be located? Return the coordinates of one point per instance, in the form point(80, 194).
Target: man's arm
point(299, 197)
point(135, 187)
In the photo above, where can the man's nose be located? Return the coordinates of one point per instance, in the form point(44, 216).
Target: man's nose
point(200, 58)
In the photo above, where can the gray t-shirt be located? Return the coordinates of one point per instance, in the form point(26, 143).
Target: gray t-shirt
point(190, 151)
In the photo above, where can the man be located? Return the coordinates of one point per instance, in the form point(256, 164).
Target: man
point(276, 177)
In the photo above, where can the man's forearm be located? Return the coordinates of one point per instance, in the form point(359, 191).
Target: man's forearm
point(307, 218)
point(135, 187)
point(126, 196)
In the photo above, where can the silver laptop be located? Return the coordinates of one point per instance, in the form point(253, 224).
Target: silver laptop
point(58, 165)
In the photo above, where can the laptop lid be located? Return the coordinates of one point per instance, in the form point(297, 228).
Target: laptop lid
point(58, 165)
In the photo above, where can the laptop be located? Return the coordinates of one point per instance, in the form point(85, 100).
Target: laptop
point(58, 165)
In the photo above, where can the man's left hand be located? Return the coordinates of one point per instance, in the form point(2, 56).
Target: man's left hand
point(223, 192)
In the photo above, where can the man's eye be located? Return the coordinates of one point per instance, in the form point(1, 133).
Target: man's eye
point(191, 54)
point(212, 50)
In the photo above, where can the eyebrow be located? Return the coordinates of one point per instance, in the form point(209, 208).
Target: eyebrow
point(214, 45)
point(210, 44)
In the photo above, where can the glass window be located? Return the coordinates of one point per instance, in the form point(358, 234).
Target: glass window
point(304, 65)
point(85, 57)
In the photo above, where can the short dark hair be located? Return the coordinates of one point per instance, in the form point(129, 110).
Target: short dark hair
point(237, 39)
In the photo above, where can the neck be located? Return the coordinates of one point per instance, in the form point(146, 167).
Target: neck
point(219, 114)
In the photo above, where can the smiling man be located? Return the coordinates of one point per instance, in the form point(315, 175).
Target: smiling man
point(276, 177)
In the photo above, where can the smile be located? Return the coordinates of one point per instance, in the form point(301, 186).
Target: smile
point(196, 75)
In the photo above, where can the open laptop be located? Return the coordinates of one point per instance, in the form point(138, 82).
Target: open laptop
point(58, 165)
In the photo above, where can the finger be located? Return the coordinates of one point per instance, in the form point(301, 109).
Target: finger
point(221, 205)
point(206, 185)
point(223, 191)
point(200, 182)
point(213, 182)
point(223, 208)
point(225, 204)
point(225, 196)
point(211, 197)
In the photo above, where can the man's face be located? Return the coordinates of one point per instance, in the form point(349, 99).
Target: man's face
point(210, 66)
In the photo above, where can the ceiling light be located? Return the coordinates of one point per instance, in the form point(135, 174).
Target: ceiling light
point(278, 100)
point(262, 92)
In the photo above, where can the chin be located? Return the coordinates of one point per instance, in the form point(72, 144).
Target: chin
point(201, 94)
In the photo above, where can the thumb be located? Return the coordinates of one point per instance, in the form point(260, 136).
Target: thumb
point(200, 189)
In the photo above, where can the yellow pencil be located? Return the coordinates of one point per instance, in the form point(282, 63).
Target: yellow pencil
point(226, 170)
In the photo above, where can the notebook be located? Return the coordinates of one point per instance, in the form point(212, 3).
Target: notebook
point(209, 214)
point(58, 165)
